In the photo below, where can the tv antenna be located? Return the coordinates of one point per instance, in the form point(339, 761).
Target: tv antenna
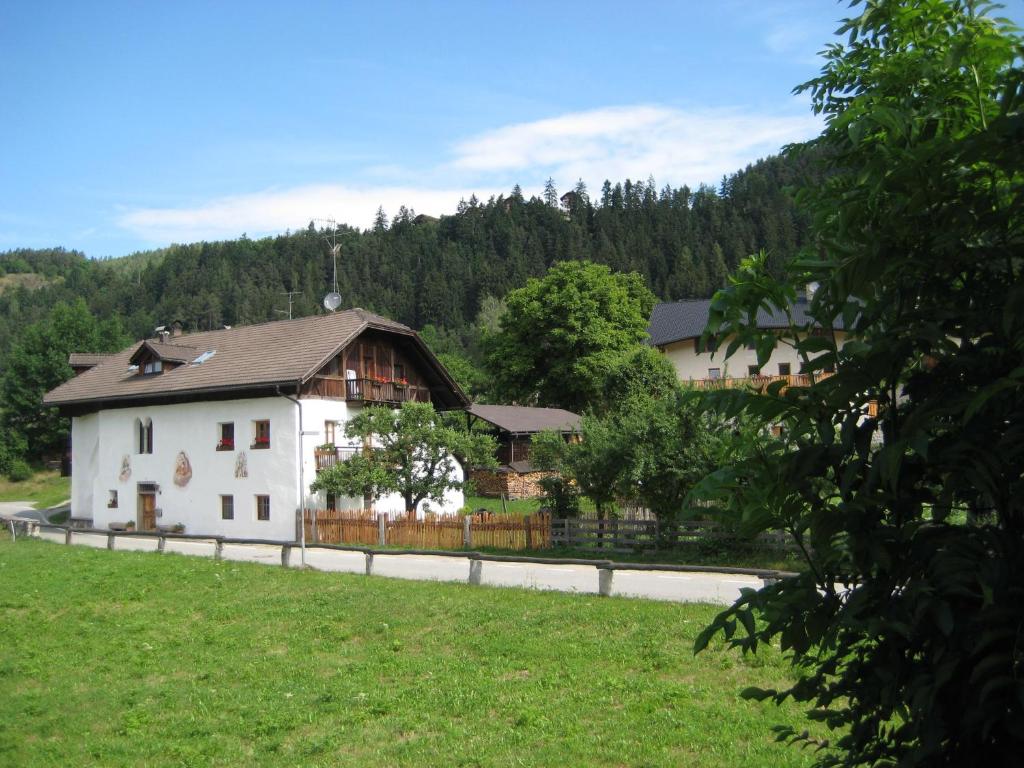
point(330, 227)
point(289, 294)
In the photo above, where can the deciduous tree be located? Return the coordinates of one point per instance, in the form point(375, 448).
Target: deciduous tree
point(561, 334)
point(907, 628)
point(414, 454)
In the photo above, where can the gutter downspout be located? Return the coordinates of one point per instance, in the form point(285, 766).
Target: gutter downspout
point(301, 513)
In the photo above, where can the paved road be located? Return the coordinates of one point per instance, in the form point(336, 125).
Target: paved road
point(690, 587)
point(21, 509)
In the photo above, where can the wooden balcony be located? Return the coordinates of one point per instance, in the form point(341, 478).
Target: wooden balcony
point(367, 390)
point(760, 382)
point(328, 457)
point(757, 382)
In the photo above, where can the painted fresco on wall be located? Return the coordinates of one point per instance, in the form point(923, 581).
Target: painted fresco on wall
point(241, 465)
point(126, 469)
point(182, 470)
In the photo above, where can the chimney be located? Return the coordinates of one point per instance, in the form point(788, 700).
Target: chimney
point(161, 333)
point(176, 329)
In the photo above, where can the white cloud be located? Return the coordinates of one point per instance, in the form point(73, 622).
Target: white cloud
point(272, 211)
point(675, 146)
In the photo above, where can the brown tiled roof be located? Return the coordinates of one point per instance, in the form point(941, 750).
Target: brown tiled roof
point(175, 353)
point(86, 359)
point(519, 419)
point(247, 357)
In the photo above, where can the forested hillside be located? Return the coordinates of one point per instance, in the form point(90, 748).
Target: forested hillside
point(420, 270)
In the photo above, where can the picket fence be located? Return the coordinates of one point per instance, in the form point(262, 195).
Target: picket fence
point(529, 532)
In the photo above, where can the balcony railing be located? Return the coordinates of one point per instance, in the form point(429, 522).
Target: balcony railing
point(758, 382)
point(368, 390)
point(328, 457)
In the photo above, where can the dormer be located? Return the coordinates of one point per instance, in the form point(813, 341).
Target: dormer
point(155, 357)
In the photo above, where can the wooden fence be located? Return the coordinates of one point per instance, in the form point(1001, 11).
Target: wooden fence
point(540, 531)
point(637, 535)
point(434, 532)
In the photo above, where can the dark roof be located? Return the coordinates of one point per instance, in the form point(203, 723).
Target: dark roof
point(283, 352)
point(519, 419)
point(679, 320)
point(86, 359)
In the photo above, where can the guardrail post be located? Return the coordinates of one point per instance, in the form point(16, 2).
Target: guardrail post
point(286, 555)
point(476, 568)
point(604, 581)
point(67, 535)
point(467, 532)
point(110, 540)
point(369, 563)
point(161, 543)
point(10, 524)
point(382, 529)
point(218, 552)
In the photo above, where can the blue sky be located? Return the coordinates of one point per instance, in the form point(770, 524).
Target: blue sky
point(133, 125)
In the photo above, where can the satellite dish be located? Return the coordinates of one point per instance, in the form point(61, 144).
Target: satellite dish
point(332, 300)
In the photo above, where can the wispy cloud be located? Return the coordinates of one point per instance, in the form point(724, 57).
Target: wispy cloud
point(676, 146)
point(275, 210)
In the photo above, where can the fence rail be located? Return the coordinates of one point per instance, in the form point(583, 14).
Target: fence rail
point(631, 535)
point(434, 532)
point(529, 532)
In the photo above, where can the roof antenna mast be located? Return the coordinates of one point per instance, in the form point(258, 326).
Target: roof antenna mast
point(330, 230)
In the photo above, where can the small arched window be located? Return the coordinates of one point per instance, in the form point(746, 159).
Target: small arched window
point(144, 430)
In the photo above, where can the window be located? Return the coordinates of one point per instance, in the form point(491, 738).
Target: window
point(711, 345)
point(332, 502)
point(330, 428)
point(714, 373)
point(753, 370)
point(262, 507)
point(785, 369)
point(261, 434)
point(112, 500)
point(144, 428)
point(153, 366)
point(227, 507)
point(226, 436)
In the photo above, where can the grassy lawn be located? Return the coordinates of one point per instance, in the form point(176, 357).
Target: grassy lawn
point(47, 488)
point(512, 506)
point(121, 658)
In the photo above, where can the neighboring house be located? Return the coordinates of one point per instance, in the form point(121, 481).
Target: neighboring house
point(675, 330)
point(218, 431)
point(513, 427)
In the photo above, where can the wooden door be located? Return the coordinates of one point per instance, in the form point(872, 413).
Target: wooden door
point(147, 511)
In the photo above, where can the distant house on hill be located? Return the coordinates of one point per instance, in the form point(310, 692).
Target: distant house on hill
point(676, 328)
point(514, 427)
point(223, 431)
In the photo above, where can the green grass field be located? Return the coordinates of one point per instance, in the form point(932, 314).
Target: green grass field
point(120, 658)
point(46, 488)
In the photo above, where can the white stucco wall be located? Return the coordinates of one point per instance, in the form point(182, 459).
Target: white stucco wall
point(100, 442)
point(85, 438)
point(690, 365)
point(192, 428)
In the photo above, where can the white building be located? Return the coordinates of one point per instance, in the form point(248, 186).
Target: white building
point(222, 432)
point(676, 328)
